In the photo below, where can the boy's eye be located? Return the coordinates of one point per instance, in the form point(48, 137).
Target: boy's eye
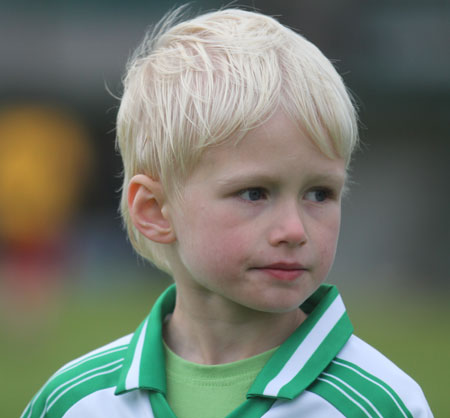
point(318, 195)
point(253, 194)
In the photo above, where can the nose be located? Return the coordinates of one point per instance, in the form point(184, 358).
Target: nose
point(288, 228)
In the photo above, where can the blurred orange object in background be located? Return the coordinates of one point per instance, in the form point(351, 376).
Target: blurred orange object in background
point(45, 161)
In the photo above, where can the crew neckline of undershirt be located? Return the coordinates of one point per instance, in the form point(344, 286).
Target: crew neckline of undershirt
point(208, 374)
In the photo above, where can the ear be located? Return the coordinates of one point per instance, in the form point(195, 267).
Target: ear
point(148, 209)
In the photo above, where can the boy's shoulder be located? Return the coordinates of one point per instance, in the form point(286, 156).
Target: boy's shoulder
point(96, 371)
point(361, 378)
point(88, 385)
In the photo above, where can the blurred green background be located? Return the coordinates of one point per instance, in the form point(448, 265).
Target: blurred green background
point(69, 280)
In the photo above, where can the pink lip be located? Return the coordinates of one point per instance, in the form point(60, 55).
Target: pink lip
point(283, 271)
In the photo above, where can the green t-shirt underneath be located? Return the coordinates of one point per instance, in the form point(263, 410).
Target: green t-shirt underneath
point(209, 391)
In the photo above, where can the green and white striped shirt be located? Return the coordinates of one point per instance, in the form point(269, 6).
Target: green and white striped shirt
point(322, 370)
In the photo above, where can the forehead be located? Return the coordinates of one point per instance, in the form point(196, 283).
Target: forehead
point(276, 147)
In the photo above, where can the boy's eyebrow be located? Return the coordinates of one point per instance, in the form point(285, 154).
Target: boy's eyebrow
point(237, 178)
point(332, 177)
point(256, 177)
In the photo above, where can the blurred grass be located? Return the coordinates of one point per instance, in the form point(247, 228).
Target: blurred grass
point(411, 334)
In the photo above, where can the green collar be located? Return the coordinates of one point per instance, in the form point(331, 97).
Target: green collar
point(144, 363)
point(291, 369)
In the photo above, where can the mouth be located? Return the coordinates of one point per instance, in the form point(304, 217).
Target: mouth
point(283, 271)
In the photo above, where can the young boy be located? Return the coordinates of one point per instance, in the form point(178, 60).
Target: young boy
point(236, 134)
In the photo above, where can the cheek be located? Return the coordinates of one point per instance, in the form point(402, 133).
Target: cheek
point(328, 242)
point(212, 242)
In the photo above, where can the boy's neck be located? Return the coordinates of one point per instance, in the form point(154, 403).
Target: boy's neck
point(209, 333)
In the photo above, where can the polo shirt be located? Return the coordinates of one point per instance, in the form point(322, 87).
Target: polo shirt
point(321, 370)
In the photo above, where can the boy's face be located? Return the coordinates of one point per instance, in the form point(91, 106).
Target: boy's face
point(259, 222)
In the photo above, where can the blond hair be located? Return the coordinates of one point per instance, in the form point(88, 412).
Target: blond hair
point(203, 81)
